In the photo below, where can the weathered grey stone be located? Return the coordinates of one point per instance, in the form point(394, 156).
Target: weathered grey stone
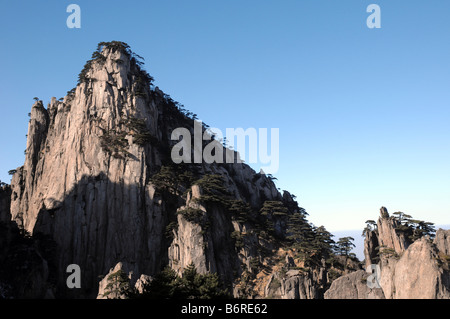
point(299, 287)
point(387, 235)
point(442, 241)
point(293, 285)
point(187, 247)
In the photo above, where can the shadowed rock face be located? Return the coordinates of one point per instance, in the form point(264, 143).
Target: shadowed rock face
point(370, 249)
point(5, 203)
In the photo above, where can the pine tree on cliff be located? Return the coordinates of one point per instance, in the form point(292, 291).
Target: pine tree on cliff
point(301, 234)
point(344, 246)
point(191, 285)
point(323, 242)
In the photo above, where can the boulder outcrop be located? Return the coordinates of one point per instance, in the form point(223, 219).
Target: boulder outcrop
point(353, 286)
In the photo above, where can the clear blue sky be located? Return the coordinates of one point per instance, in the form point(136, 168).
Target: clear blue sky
point(363, 113)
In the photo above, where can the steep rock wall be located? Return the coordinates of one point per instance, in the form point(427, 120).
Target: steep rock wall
point(86, 181)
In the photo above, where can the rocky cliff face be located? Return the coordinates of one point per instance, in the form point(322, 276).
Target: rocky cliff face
point(442, 241)
point(95, 202)
point(407, 269)
point(99, 189)
point(418, 274)
point(95, 181)
point(384, 239)
point(388, 237)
